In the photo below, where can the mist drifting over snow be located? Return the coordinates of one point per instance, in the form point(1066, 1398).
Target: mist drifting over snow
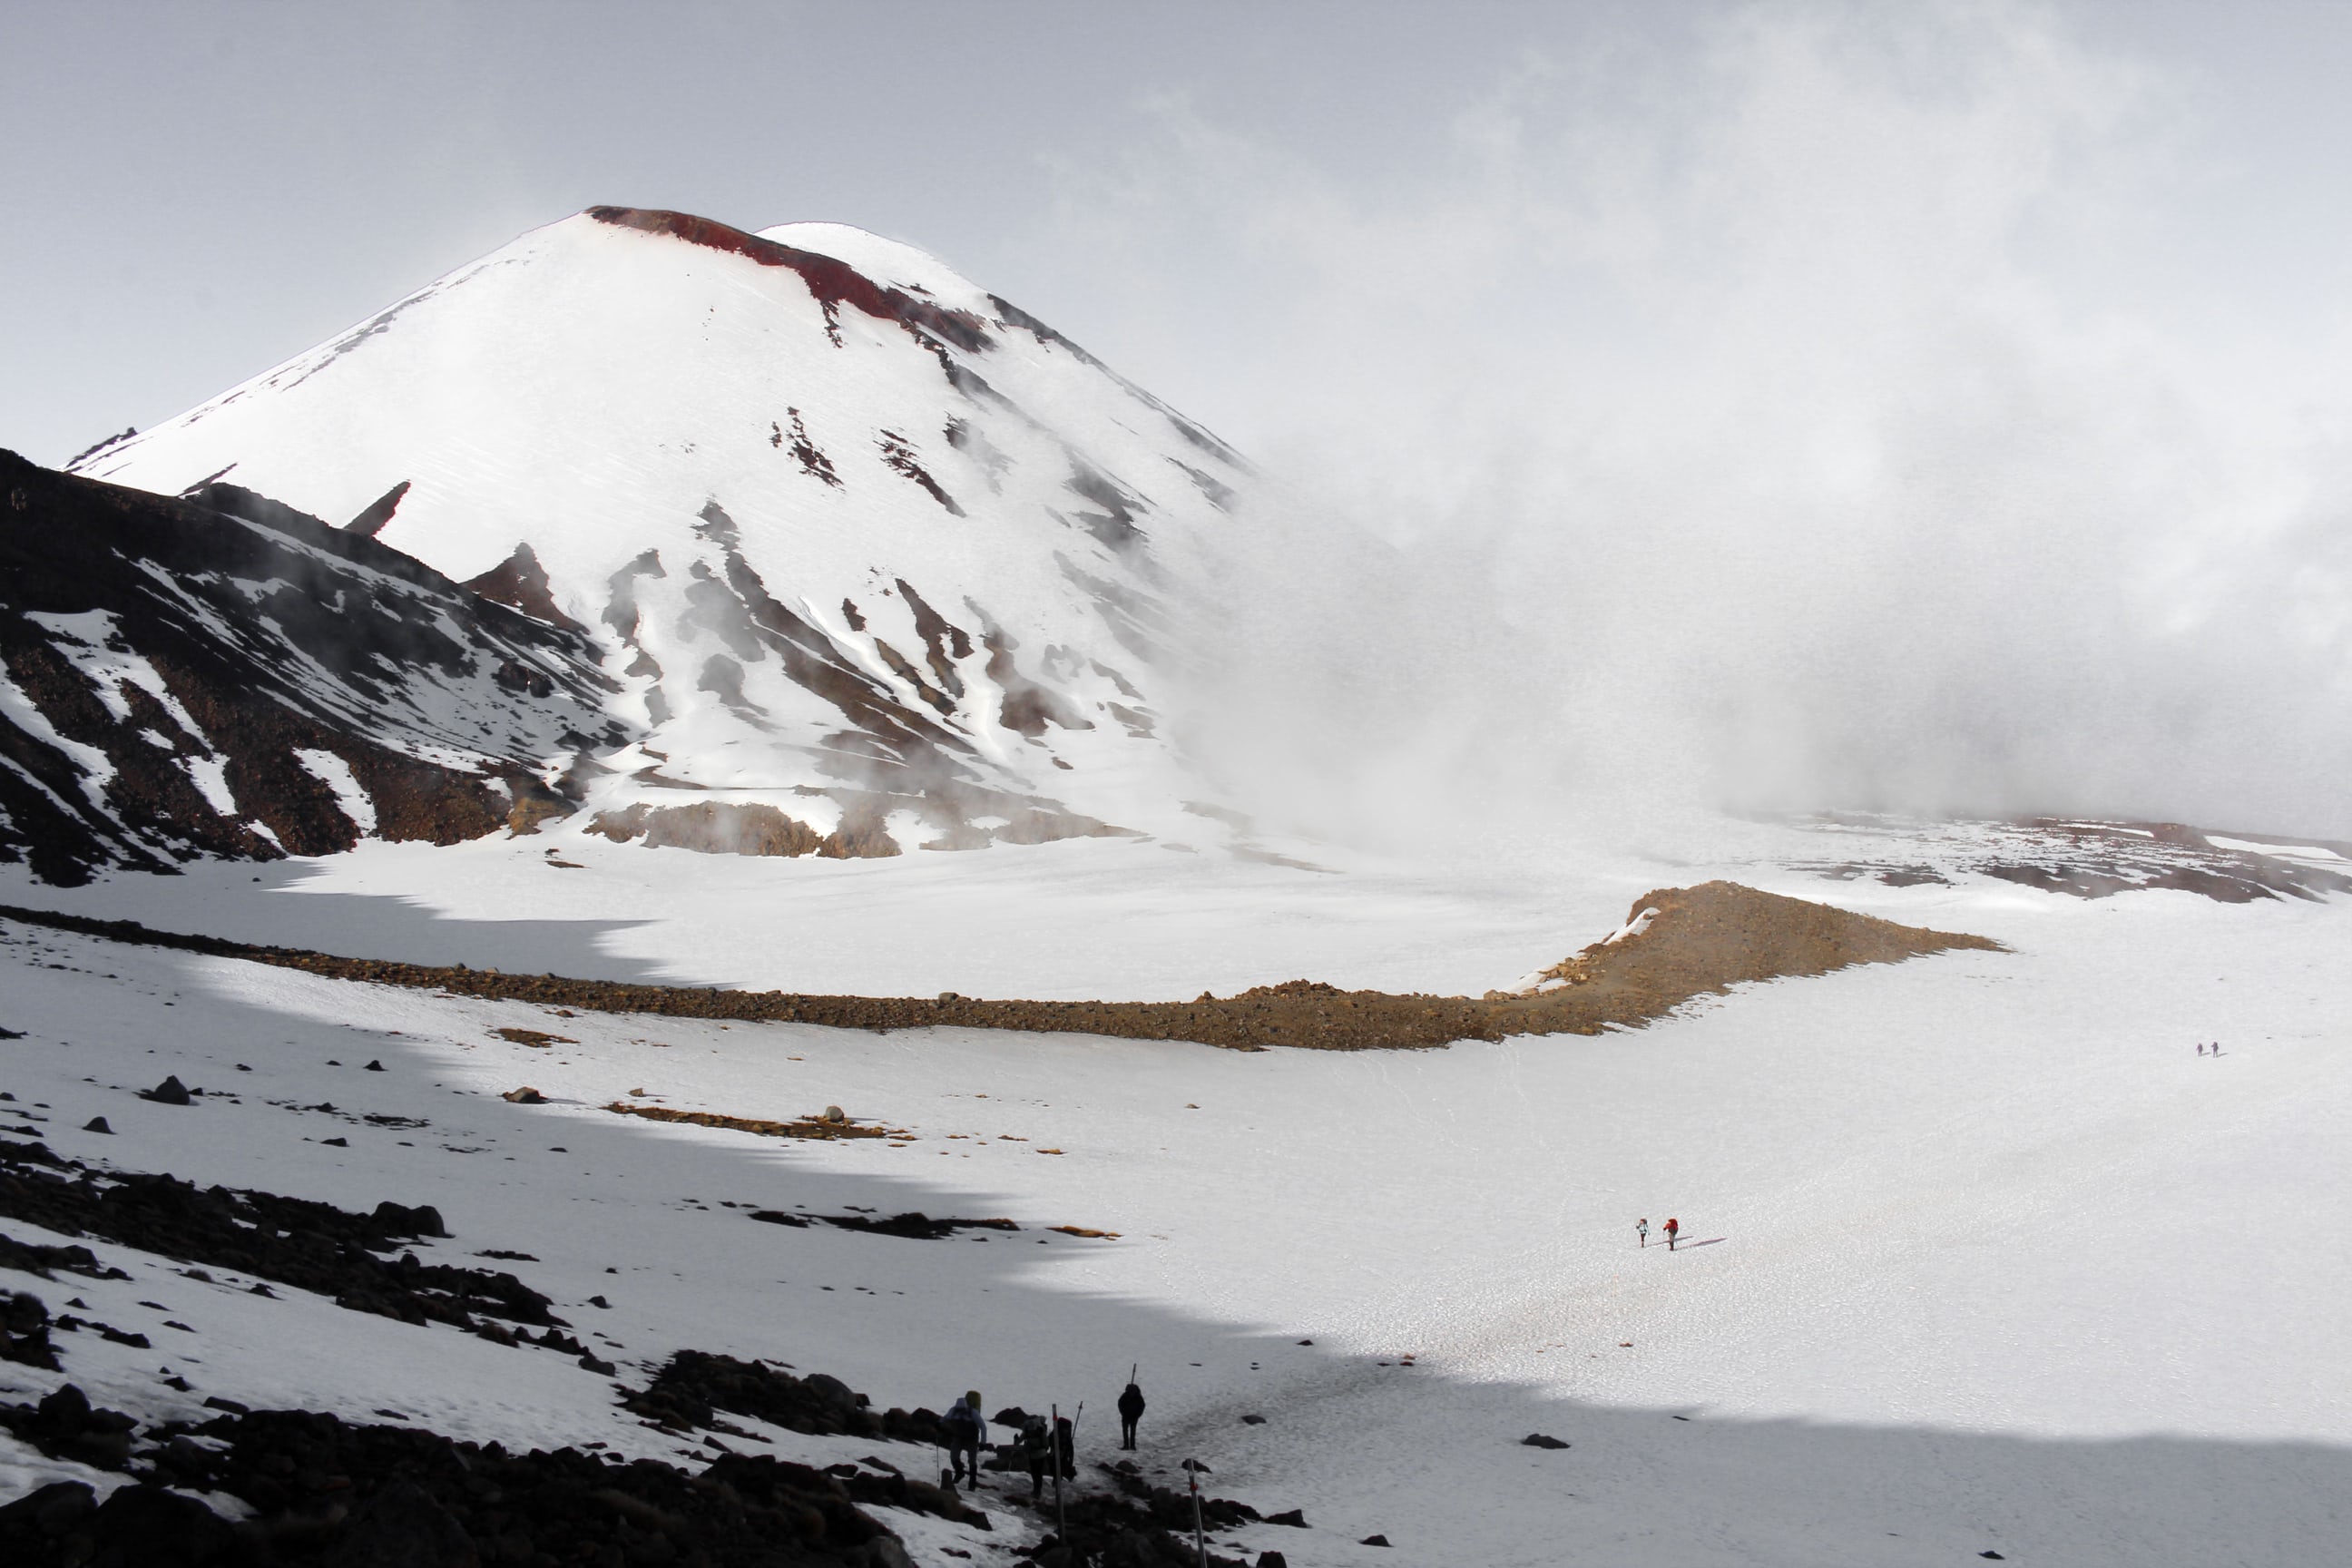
point(1818, 408)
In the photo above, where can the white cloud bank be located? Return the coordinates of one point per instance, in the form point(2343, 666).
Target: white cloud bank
point(1825, 406)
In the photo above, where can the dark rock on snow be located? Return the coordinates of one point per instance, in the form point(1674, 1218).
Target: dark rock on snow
point(25, 1330)
point(170, 1091)
point(294, 1241)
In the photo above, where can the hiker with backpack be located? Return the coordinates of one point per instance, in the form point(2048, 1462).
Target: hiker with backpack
point(1037, 1452)
point(1066, 1447)
point(965, 1427)
point(1642, 1229)
point(1130, 1411)
point(1674, 1227)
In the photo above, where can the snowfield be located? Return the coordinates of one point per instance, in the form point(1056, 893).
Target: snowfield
point(810, 548)
point(1981, 1254)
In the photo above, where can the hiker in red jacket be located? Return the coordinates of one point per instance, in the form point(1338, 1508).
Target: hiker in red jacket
point(1673, 1227)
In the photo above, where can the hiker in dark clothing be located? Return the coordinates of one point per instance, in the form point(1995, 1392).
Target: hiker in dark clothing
point(1066, 1447)
point(1130, 1411)
point(1674, 1227)
point(964, 1427)
point(1037, 1450)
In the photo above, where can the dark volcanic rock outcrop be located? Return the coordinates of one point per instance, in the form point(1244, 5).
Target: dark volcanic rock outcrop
point(324, 1491)
point(294, 1241)
point(223, 676)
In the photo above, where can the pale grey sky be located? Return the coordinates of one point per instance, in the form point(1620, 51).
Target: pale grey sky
point(1936, 404)
point(196, 189)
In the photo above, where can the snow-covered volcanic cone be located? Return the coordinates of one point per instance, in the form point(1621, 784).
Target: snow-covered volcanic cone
point(871, 552)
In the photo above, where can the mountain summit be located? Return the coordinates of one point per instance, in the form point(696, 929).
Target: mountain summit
point(872, 558)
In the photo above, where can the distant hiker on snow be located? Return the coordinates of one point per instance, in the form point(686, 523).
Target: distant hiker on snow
point(1642, 1229)
point(1130, 1411)
point(1673, 1227)
point(1037, 1452)
point(965, 1426)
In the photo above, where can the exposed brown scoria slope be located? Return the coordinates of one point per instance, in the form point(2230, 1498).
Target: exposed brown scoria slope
point(1702, 940)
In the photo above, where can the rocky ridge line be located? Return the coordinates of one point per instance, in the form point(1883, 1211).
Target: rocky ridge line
point(1701, 941)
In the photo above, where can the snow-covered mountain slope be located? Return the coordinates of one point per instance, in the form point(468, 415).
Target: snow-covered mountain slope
point(1991, 1258)
point(233, 678)
point(875, 557)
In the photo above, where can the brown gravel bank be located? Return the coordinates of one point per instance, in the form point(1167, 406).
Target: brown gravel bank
point(1702, 940)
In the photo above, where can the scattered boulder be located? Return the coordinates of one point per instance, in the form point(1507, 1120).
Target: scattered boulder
point(97, 1124)
point(526, 1095)
point(402, 1527)
point(1373, 1540)
point(47, 1515)
point(66, 1425)
point(1252, 1420)
point(1292, 1517)
point(425, 1220)
point(1540, 1440)
point(145, 1525)
point(170, 1091)
point(24, 1331)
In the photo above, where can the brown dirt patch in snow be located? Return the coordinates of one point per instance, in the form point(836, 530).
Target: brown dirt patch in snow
point(806, 1127)
point(1708, 938)
point(1704, 939)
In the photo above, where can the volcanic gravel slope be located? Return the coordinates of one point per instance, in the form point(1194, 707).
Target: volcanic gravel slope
point(1694, 941)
